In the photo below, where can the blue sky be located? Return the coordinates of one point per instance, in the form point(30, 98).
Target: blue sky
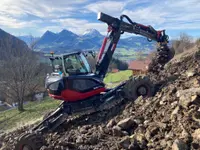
point(24, 17)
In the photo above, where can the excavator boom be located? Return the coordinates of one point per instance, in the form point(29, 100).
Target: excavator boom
point(116, 27)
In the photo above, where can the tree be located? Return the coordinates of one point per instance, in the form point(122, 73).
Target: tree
point(183, 43)
point(32, 43)
point(118, 64)
point(19, 76)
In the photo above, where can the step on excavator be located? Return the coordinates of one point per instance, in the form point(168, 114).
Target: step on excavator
point(82, 91)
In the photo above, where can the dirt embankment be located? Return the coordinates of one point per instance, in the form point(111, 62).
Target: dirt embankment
point(169, 120)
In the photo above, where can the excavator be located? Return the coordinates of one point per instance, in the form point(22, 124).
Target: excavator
point(82, 91)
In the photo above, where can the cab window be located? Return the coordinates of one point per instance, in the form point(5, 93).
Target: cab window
point(75, 65)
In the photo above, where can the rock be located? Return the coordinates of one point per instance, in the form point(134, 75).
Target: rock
point(79, 140)
point(174, 104)
point(179, 145)
point(117, 131)
point(125, 142)
point(185, 134)
point(151, 132)
point(163, 101)
point(196, 134)
point(195, 99)
point(190, 73)
point(126, 123)
point(163, 143)
point(148, 135)
point(161, 125)
point(139, 139)
point(44, 148)
point(175, 111)
point(140, 129)
point(191, 91)
point(184, 101)
point(83, 130)
point(138, 120)
point(134, 146)
point(169, 143)
point(196, 116)
point(111, 123)
point(187, 99)
point(146, 122)
point(139, 100)
point(93, 139)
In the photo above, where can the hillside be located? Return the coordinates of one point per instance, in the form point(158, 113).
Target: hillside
point(169, 120)
point(10, 45)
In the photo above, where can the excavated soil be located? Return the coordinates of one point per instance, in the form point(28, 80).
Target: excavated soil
point(169, 120)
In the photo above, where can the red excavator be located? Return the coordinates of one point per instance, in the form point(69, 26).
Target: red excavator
point(83, 91)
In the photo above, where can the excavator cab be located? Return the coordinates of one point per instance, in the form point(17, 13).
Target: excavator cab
point(70, 64)
point(72, 78)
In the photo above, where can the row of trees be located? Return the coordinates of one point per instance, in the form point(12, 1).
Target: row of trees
point(118, 64)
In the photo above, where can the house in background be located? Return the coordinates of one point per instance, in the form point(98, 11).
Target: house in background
point(139, 66)
point(115, 70)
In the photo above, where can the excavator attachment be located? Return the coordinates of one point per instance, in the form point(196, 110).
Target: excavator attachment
point(163, 55)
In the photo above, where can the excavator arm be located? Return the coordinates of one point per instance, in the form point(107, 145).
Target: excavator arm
point(116, 27)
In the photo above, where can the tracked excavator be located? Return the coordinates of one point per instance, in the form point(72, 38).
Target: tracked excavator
point(82, 91)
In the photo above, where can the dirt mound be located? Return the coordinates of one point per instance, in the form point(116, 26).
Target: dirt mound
point(169, 120)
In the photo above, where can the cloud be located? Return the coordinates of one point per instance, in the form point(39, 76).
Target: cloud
point(40, 8)
point(169, 14)
point(10, 22)
point(79, 26)
point(110, 7)
point(80, 15)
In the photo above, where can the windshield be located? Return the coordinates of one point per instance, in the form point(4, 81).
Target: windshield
point(76, 64)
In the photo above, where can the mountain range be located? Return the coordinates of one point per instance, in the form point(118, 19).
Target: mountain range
point(66, 41)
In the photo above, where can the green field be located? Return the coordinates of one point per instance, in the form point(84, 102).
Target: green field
point(131, 54)
point(34, 111)
point(117, 77)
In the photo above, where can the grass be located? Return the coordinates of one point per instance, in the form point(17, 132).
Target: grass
point(118, 77)
point(34, 111)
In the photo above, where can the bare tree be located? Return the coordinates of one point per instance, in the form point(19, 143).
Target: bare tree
point(183, 43)
point(32, 43)
point(19, 76)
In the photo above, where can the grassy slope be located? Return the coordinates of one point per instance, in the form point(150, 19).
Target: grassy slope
point(13, 119)
point(117, 77)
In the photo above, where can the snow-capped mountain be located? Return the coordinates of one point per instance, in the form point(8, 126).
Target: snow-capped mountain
point(92, 33)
